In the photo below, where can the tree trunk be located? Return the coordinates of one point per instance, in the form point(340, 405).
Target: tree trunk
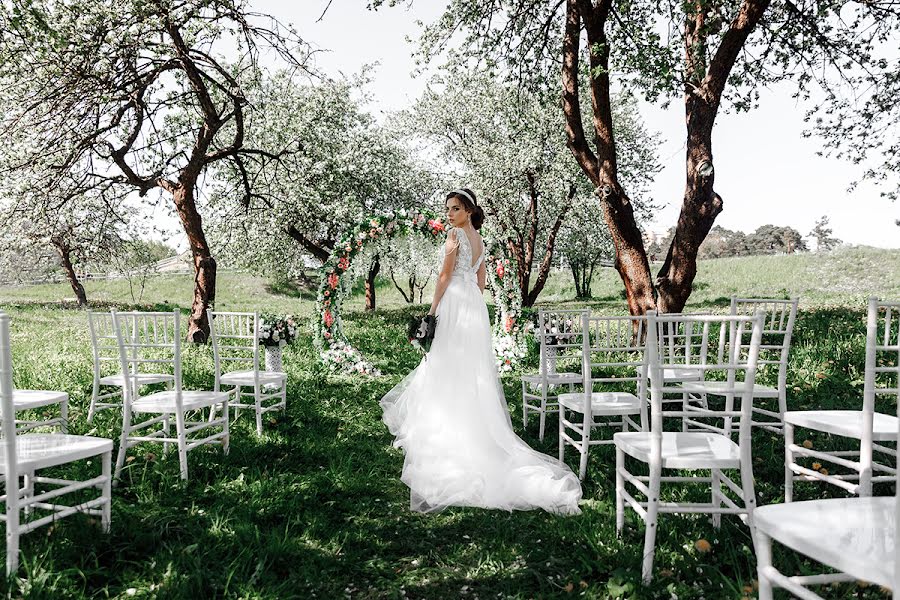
point(65, 256)
point(703, 94)
point(618, 213)
point(411, 281)
point(374, 268)
point(321, 249)
point(544, 270)
point(204, 263)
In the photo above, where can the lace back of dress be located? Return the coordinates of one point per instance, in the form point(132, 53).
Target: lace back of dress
point(464, 254)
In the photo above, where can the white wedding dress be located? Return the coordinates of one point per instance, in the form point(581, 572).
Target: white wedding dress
point(450, 417)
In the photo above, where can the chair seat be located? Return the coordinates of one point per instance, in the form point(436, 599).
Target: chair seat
point(853, 535)
point(846, 423)
point(677, 374)
point(683, 450)
point(142, 379)
point(603, 403)
point(40, 450)
point(553, 378)
point(26, 399)
point(245, 378)
point(720, 387)
point(164, 402)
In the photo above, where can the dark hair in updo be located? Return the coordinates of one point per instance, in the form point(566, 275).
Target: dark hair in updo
point(477, 214)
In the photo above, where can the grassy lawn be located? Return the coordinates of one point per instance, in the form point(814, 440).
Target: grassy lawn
point(315, 509)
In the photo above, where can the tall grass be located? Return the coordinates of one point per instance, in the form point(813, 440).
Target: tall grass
point(314, 508)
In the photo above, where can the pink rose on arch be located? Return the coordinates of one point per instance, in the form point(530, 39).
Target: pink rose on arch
point(509, 324)
point(333, 280)
point(327, 335)
point(329, 320)
point(500, 271)
point(344, 263)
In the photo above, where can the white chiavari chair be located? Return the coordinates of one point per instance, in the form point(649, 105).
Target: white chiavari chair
point(33, 503)
point(690, 450)
point(235, 342)
point(154, 339)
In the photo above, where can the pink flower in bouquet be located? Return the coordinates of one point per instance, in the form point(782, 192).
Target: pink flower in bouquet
point(329, 320)
point(333, 280)
point(435, 225)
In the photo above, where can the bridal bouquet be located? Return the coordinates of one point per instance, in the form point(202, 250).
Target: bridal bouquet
point(276, 331)
point(421, 332)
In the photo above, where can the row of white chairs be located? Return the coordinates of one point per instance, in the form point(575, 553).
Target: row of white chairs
point(687, 358)
point(146, 349)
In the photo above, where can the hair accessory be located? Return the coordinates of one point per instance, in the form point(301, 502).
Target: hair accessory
point(463, 192)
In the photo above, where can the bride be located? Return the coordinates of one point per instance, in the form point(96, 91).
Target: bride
point(449, 415)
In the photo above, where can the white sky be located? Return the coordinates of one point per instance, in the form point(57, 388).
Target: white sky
point(766, 171)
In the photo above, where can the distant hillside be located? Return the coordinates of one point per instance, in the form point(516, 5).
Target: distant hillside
point(846, 276)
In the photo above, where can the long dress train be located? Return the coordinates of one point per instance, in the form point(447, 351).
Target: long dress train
point(450, 417)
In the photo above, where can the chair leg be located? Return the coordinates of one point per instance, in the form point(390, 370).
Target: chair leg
point(226, 440)
point(167, 429)
point(650, 532)
point(749, 493)
point(106, 490)
point(543, 415)
point(182, 444)
point(562, 443)
point(585, 446)
point(123, 445)
point(524, 406)
point(64, 416)
point(788, 461)
point(716, 502)
point(763, 563)
point(93, 407)
point(28, 490)
point(257, 392)
point(12, 529)
point(620, 491)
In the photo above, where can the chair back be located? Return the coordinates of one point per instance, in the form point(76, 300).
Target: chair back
point(882, 371)
point(676, 340)
point(8, 429)
point(235, 341)
point(104, 345)
point(557, 331)
point(780, 316)
point(8, 416)
point(613, 357)
point(148, 341)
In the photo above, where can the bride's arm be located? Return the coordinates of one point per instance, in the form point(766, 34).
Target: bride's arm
point(446, 270)
point(482, 276)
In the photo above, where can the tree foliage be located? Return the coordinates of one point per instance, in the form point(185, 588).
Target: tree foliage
point(345, 167)
point(138, 94)
point(512, 145)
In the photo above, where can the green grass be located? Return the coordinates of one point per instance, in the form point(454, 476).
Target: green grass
point(315, 509)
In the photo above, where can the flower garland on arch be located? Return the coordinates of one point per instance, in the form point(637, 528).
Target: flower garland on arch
point(334, 349)
point(510, 326)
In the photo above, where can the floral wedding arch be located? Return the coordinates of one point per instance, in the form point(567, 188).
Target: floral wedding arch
point(336, 352)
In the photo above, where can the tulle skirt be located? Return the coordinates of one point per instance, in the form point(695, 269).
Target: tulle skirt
point(450, 417)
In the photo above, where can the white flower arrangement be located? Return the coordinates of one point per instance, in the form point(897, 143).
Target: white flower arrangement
point(510, 350)
point(342, 358)
point(277, 331)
